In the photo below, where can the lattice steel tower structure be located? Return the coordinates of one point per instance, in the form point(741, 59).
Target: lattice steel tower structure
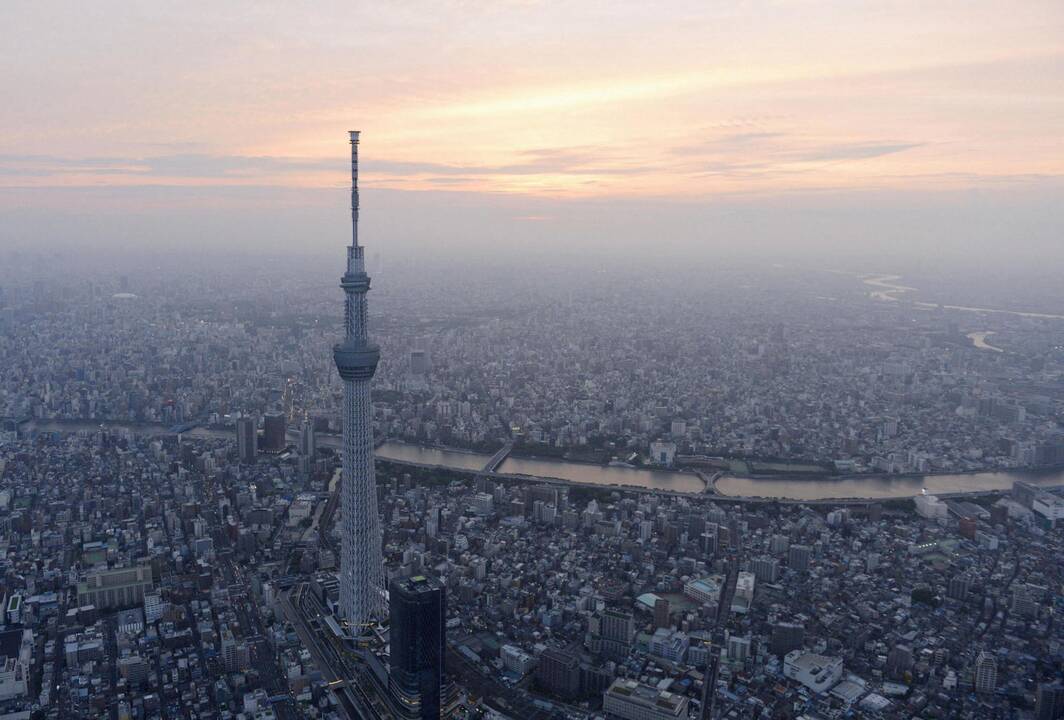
point(361, 567)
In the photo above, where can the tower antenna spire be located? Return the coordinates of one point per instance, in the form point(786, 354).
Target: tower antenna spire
point(354, 186)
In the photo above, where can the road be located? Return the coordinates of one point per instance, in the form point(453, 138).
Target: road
point(263, 656)
point(709, 682)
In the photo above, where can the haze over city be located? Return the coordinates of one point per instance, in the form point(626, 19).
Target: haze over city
point(532, 360)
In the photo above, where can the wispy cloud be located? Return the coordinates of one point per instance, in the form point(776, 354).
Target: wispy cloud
point(544, 161)
point(180, 165)
point(853, 151)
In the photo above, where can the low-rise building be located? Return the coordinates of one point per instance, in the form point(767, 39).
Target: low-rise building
point(16, 653)
point(670, 645)
point(819, 673)
point(516, 660)
point(117, 587)
point(704, 590)
point(630, 700)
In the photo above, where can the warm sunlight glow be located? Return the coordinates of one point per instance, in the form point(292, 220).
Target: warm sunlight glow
point(629, 103)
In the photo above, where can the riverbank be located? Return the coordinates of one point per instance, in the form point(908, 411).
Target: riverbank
point(800, 476)
point(886, 288)
point(854, 488)
point(882, 487)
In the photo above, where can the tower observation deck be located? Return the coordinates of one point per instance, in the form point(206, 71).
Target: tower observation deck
point(361, 566)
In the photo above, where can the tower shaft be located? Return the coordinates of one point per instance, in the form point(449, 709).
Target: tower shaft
point(361, 565)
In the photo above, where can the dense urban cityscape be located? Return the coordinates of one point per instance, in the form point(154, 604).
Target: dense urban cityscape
point(562, 601)
point(631, 361)
point(196, 526)
point(797, 366)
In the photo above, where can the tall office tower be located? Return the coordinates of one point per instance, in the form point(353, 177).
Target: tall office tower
point(711, 539)
point(618, 629)
point(661, 613)
point(361, 566)
point(558, 672)
point(798, 557)
point(786, 637)
point(274, 431)
point(247, 439)
point(738, 648)
point(417, 636)
point(1049, 701)
point(766, 569)
point(985, 673)
point(899, 661)
point(308, 442)
point(419, 362)
point(1024, 603)
point(959, 587)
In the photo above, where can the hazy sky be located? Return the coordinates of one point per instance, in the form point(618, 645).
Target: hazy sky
point(540, 112)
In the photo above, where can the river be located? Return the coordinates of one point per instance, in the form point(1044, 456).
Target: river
point(804, 488)
point(405, 452)
point(887, 289)
point(603, 474)
point(979, 340)
point(882, 487)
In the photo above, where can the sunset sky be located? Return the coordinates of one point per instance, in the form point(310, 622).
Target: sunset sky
point(681, 101)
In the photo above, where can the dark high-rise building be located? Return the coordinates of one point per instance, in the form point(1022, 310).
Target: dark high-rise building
point(661, 613)
point(308, 442)
point(999, 515)
point(247, 439)
point(985, 673)
point(419, 362)
point(958, 588)
point(618, 629)
point(594, 678)
point(899, 661)
point(1049, 701)
point(786, 637)
point(1024, 493)
point(418, 608)
point(558, 673)
point(779, 544)
point(798, 557)
point(273, 432)
point(711, 538)
point(766, 570)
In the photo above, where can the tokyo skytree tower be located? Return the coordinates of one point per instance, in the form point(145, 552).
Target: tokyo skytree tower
point(361, 566)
